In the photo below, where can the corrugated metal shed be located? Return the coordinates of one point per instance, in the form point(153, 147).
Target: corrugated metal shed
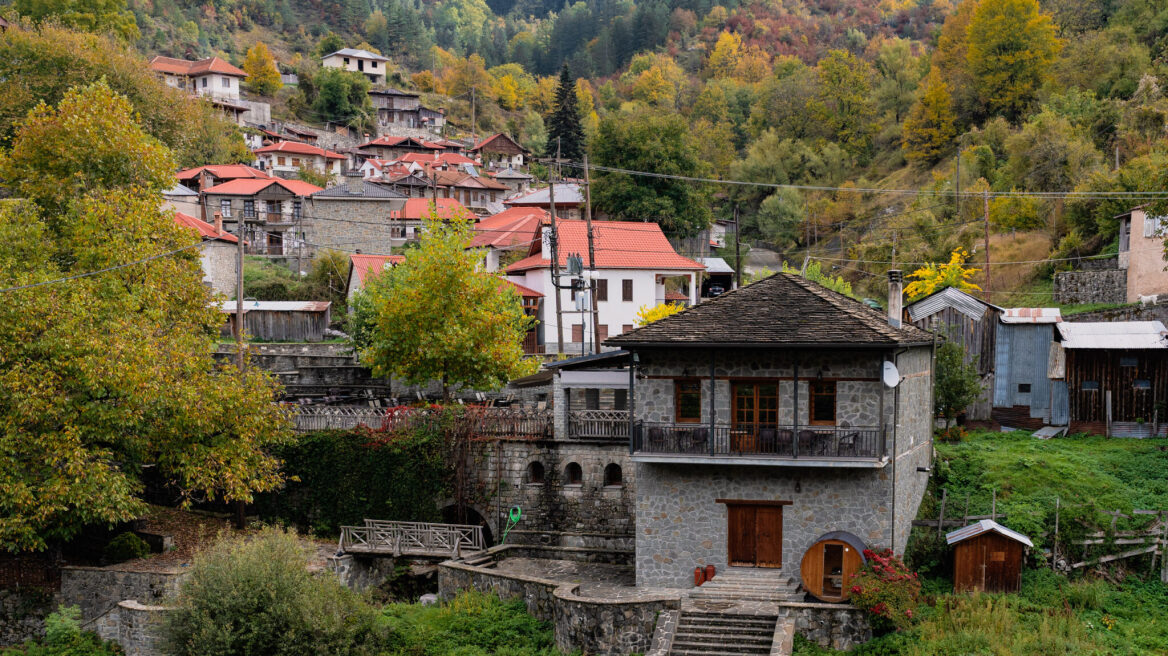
point(985, 526)
point(1031, 315)
point(949, 297)
point(1022, 366)
point(1114, 335)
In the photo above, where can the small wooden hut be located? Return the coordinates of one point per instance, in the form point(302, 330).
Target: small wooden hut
point(280, 321)
point(987, 558)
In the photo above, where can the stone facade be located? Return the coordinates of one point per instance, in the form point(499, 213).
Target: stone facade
point(352, 224)
point(97, 590)
point(136, 627)
point(680, 524)
point(555, 512)
point(1091, 286)
point(218, 260)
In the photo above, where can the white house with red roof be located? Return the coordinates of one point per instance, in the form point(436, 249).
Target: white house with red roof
point(508, 235)
point(272, 211)
point(633, 262)
point(286, 158)
point(217, 253)
point(364, 267)
point(206, 77)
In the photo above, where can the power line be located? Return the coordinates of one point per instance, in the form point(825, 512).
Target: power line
point(99, 271)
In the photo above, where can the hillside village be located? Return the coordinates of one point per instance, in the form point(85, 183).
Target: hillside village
point(660, 329)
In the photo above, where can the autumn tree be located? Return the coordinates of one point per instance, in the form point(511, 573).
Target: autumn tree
point(1012, 46)
point(643, 140)
point(99, 16)
point(438, 317)
point(565, 133)
point(931, 125)
point(898, 73)
point(105, 374)
point(262, 75)
point(647, 314)
point(843, 105)
point(935, 277)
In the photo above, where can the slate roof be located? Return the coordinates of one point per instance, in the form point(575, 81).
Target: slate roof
point(371, 190)
point(567, 194)
point(782, 310)
point(354, 52)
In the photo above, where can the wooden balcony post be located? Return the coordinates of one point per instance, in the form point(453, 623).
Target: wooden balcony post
point(795, 413)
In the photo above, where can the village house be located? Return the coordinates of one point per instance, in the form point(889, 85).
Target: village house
point(778, 429)
point(353, 216)
point(515, 181)
point(437, 161)
point(271, 210)
point(286, 158)
point(217, 254)
point(363, 267)
point(413, 184)
point(369, 64)
point(569, 200)
point(1141, 253)
point(212, 78)
point(394, 148)
point(633, 262)
point(406, 224)
point(181, 198)
point(506, 237)
point(498, 152)
point(402, 109)
point(205, 177)
point(1109, 378)
point(479, 193)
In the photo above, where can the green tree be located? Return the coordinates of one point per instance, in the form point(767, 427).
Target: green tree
point(262, 75)
point(843, 104)
point(644, 140)
point(931, 125)
point(813, 271)
point(780, 215)
point(377, 30)
point(898, 73)
point(103, 375)
point(328, 44)
point(340, 96)
point(1012, 46)
point(957, 384)
point(40, 64)
point(437, 316)
point(1047, 154)
point(563, 125)
point(100, 16)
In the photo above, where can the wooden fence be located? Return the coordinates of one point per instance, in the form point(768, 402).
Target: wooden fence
point(29, 572)
point(411, 539)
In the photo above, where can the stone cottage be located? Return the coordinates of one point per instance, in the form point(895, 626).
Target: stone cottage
point(776, 427)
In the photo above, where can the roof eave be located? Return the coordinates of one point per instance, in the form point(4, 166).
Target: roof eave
point(840, 345)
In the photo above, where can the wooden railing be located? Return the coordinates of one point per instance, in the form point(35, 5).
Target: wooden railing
point(486, 422)
point(315, 418)
point(599, 425)
point(411, 539)
point(813, 442)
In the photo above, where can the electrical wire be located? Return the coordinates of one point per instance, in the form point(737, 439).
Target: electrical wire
point(99, 271)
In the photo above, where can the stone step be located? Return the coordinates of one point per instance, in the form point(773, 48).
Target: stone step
point(744, 622)
point(719, 650)
point(720, 637)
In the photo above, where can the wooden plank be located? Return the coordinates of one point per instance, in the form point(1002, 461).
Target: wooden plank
point(768, 541)
point(753, 502)
point(1108, 559)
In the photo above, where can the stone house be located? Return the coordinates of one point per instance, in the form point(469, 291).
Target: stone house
point(402, 109)
point(272, 212)
point(393, 148)
point(406, 223)
point(354, 216)
point(569, 200)
point(776, 427)
point(286, 158)
point(516, 182)
point(499, 151)
point(369, 64)
point(217, 255)
point(1141, 253)
point(479, 193)
point(205, 177)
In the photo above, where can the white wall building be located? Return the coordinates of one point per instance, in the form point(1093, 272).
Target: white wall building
point(369, 64)
point(287, 157)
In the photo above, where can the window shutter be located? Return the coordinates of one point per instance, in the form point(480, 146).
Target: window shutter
point(602, 290)
point(626, 290)
point(603, 331)
point(578, 332)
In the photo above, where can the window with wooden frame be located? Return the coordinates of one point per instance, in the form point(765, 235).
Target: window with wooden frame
point(602, 290)
point(626, 290)
point(687, 401)
point(821, 393)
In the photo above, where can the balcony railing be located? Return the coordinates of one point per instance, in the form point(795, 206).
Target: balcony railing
point(809, 442)
point(599, 425)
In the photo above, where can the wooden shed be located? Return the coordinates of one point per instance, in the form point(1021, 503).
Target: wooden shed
point(971, 322)
point(987, 558)
point(830, 563)
point(283, 321)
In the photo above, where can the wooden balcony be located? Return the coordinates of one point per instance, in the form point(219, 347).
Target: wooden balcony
point(607, 425)
point(803, 446)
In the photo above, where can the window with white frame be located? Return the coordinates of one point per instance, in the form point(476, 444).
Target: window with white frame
point(225, 208)
point(1154, 225)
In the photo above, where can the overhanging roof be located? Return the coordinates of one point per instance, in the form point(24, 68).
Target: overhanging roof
point(985, 526)
point(950, 297)
point(1135, 335)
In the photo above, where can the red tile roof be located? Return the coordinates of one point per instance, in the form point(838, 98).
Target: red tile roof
point(511, 227)
point(419, 208)
point(206, 230)
point(619, 245)
point(297, 148)
point(525, 292)
point(395, 141)
point(223, 172)
point(365, 266)
point(244, 187)
point(201, 67)
point(674, 295)
point(485, 142)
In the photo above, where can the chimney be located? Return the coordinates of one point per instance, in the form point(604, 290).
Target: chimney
point(218, 224)
point(354, 182)
point(895, 297)
point(204, 180)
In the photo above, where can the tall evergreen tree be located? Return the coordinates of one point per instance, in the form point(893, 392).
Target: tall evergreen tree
point(563, 124)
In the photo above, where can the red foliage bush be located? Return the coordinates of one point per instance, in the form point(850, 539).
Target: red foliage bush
point(887, 589)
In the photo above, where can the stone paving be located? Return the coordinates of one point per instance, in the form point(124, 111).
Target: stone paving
point(598, 580)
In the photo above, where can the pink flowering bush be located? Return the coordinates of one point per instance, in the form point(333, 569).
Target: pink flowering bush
point(887, 589)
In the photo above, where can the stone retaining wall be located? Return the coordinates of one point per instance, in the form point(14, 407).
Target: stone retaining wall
point(97, 590)
point(1099, 286)
point(837, 626)
point(134, 626)
point(22, 614)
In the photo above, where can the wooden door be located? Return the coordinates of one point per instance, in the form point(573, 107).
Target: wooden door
point(755, 405)
point(740, 535)
point(768, 537)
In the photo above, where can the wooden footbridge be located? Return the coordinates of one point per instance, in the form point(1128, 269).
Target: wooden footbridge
point(380, 538)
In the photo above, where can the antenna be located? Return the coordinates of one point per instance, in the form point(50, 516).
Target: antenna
point(891, 376)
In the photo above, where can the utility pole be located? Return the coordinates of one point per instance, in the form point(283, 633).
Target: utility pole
point(473, 126)
point(555, 261)
point(957, 183)
point(591, 257)
point(737, 251)
point(986, 217)
point(240, 508)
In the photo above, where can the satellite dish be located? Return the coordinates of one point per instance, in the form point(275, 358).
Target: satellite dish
point(891, 375)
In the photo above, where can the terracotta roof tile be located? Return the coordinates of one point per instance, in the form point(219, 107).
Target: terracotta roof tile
point(224, 172)
point(299, 148)
point(619, 245)
point(783, 309)
point(206, 230)
point(365, 266)
point(511, 227)
point(176, 66)
point(245, 187)
point(525, 292)
point(419, 208)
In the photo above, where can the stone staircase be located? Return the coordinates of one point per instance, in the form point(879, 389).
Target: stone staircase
point(701, 633)
point(742, 584)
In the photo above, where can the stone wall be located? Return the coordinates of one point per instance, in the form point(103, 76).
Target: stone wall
point(1135, 312)
point(218, 260)
point(1095, 286)
point(351, 224)
point(913, 400)
point(834, 626)
point(22, 614)
point(361, 573)
point(96, 590)
point(134, 626)
point(589, 515)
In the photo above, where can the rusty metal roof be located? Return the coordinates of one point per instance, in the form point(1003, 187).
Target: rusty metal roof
point(1031, 315)
point(1114, 335)
point(985, 526)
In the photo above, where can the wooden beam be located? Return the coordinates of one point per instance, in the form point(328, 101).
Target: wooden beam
point(753, 502)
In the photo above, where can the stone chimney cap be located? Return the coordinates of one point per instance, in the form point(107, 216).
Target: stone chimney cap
point(895, 275)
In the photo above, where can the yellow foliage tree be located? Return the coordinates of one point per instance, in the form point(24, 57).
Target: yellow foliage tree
point(935, 277)
point(931, 124)
point(726, 55)
point(652, 88)
point(1012, 46)
point(647, 315)
point(262, 75)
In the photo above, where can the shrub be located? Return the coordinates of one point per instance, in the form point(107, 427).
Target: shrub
point(888, 590)
point(472, 624)
point(256, 596)
point(125, 546)
point(64, 637)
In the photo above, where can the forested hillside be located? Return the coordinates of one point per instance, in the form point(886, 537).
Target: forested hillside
point(863, 106)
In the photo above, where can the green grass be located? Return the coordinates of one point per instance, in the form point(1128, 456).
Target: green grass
point(471, 624)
